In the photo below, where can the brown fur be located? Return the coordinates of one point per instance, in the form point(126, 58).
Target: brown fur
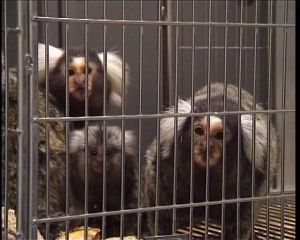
point(56, 161)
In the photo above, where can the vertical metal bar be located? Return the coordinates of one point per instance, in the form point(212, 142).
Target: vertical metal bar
point(208, 121)
point(86, 123)
point(140, 154)
point(158, 120)
point(283, 116)
point(122, 125)
point(239, 122)
point(47, 114)
point(270, 31)
point(165, 57)
point(192, 124)
point(60, 25)
point(22, 120)
point(254, 125)
point(224, 121)
point(22, 216)
point(104, 122)
point(170, 49)
point(33, 127)
point(6, 121)
point(67, 123)
point(175, 119)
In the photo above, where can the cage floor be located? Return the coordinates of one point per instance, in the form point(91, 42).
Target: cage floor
point(274, 227)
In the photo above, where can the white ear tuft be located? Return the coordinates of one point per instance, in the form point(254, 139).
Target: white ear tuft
point(114, 72)
point(54, 55)
point(260, 139)
point(76, 141)
point(115, 99)
point(167, 126)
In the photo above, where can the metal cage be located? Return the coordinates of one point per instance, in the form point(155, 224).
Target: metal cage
point(173, 48)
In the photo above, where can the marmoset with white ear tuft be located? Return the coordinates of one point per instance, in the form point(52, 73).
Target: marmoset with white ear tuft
point(215, 141)
point(113, 169)
point(76, 79)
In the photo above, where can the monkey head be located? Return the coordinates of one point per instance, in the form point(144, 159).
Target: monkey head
point(77, 82)
point(77, 75)
point(82, 74)
point(214, 135)
point(95, 150)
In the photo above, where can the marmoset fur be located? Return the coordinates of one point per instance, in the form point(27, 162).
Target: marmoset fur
point(76, 80)
point(113, 169)
point(56, 159)
point(218, 131)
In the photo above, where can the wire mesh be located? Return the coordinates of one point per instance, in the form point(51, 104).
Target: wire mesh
point(173, 49)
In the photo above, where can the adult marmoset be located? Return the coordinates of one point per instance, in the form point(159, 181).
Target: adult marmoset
point(55, 148)
point(211, 135)
point(113, 169)
point(76, 80)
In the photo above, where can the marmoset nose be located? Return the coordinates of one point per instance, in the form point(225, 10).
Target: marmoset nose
point(80, 81)
point(203, 145)
point(100, 152)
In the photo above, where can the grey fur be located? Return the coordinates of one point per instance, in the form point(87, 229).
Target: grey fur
point(166, 165)
point(113, 176)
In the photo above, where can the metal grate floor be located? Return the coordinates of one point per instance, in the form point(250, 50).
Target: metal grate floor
point(260, 228)
point(274, 227)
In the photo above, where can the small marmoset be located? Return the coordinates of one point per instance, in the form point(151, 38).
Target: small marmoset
point(218, 131)
point(113, 169)
point(76, 80)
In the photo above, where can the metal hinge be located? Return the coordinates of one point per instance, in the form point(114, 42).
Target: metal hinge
point(28, 64)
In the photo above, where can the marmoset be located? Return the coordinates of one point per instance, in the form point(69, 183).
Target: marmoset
point(113, 169)
point(56, 150)
point(221, 134)
point(76, 79)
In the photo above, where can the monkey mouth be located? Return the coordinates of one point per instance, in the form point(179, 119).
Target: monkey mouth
point(80, 90)
point(201, 160)
point(97, 167)
point(79, 93)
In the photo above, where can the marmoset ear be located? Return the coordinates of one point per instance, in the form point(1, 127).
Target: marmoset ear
point(167, 126)
point(114, 66)
point(53, 53)
point(260, 140)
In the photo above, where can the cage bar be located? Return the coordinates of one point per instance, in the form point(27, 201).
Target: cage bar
point(103, 233)
point(283, 116)
point(224, 120)
point(183, 44)
point(192, 123)
point(67, 124)
point(33, 127)
point(253, 124)
point(173, 23)
point(5, 217)
point(140, 154)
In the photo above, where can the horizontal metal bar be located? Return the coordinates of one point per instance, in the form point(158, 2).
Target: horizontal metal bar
point(222, 48)
point(155, 115)
point(164, 23)
point(15, 30)
point(167, 207)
